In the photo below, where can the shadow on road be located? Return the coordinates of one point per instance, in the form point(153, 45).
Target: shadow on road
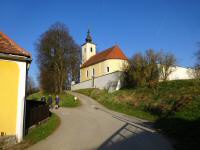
point(130, 137)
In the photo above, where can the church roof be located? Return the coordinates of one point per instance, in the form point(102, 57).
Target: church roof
point(8, 46)
point(111, 53)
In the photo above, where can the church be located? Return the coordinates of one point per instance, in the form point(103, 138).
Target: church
point(100, 70)
point(103, 70)
point(98, 64)
point(14, 65)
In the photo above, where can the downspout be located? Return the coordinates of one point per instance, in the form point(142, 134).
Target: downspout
point(24, 117)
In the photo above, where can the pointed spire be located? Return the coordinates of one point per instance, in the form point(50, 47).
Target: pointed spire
point(88, 38)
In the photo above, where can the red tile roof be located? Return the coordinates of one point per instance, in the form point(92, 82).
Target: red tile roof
point(8, 46)
point(111, 53)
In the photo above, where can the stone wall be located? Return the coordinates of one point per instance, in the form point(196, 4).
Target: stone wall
point(110, 82)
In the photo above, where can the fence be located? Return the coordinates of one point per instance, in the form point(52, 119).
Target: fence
point(36, 111)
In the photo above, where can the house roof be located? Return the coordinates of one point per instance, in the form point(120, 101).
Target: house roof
point(8, 46)
point(111, 53)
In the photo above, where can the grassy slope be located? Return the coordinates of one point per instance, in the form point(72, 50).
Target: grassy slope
point(66, 100)
point(117, 101)
point(174, 106)
point(43, 130)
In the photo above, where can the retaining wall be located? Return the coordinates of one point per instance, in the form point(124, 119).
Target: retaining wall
point(110, 82)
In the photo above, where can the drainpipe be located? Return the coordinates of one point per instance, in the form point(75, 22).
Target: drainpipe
point(92, 81)
point(24, 117)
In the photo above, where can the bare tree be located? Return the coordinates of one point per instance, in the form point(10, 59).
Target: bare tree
point(134, 72)
point(152, 73)
point(58, 58)
point(142, 70)
point(166, 62)
point(31, 87)
point(148, 68)
point(194, 73)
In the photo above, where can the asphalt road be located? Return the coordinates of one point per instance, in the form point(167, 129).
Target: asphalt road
point(93, 127)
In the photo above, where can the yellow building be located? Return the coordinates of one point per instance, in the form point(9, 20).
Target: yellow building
point(95, 64)
point(104, 70)
point(14, 62)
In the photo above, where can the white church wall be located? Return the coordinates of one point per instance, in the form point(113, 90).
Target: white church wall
point(110, 82)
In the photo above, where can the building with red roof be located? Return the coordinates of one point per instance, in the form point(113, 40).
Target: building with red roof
point(96, 64)
point(14, 64)
point(100, 70)
point(104, 70)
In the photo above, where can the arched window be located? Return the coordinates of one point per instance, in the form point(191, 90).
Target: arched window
point(108, 69)
point(93, 72)
point(87, 73)
point(91, 49)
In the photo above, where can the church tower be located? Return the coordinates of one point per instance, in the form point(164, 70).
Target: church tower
point(88, 49)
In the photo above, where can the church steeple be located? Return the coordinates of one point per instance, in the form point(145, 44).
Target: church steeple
point(88, 48)
point(88, 38)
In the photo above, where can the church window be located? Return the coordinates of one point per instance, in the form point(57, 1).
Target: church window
point(91, 49)
point(93, 72)
point(87, 73)
point(108, 69)
point(84, 49)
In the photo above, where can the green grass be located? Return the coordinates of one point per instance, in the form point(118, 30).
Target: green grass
point(66, 100)
point(38, 133)
point(43, 130)
point(174, 106)
point(111, 101)
point(179, 98)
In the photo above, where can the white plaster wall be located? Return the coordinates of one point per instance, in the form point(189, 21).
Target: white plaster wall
point(82, 85)
point(21, 99)
point(110, 81)
point(86, 53)
point(180, 73)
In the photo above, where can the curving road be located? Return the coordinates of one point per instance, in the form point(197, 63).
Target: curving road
point(93, 127)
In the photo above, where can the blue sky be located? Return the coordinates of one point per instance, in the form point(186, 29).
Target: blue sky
point(135, 25)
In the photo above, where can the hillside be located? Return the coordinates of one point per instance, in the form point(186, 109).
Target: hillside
point(173, 105)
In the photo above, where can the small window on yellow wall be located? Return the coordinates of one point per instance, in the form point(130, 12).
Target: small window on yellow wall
point(93, 72)
point(108, 69)
point(87, 73)
point(91, 49)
